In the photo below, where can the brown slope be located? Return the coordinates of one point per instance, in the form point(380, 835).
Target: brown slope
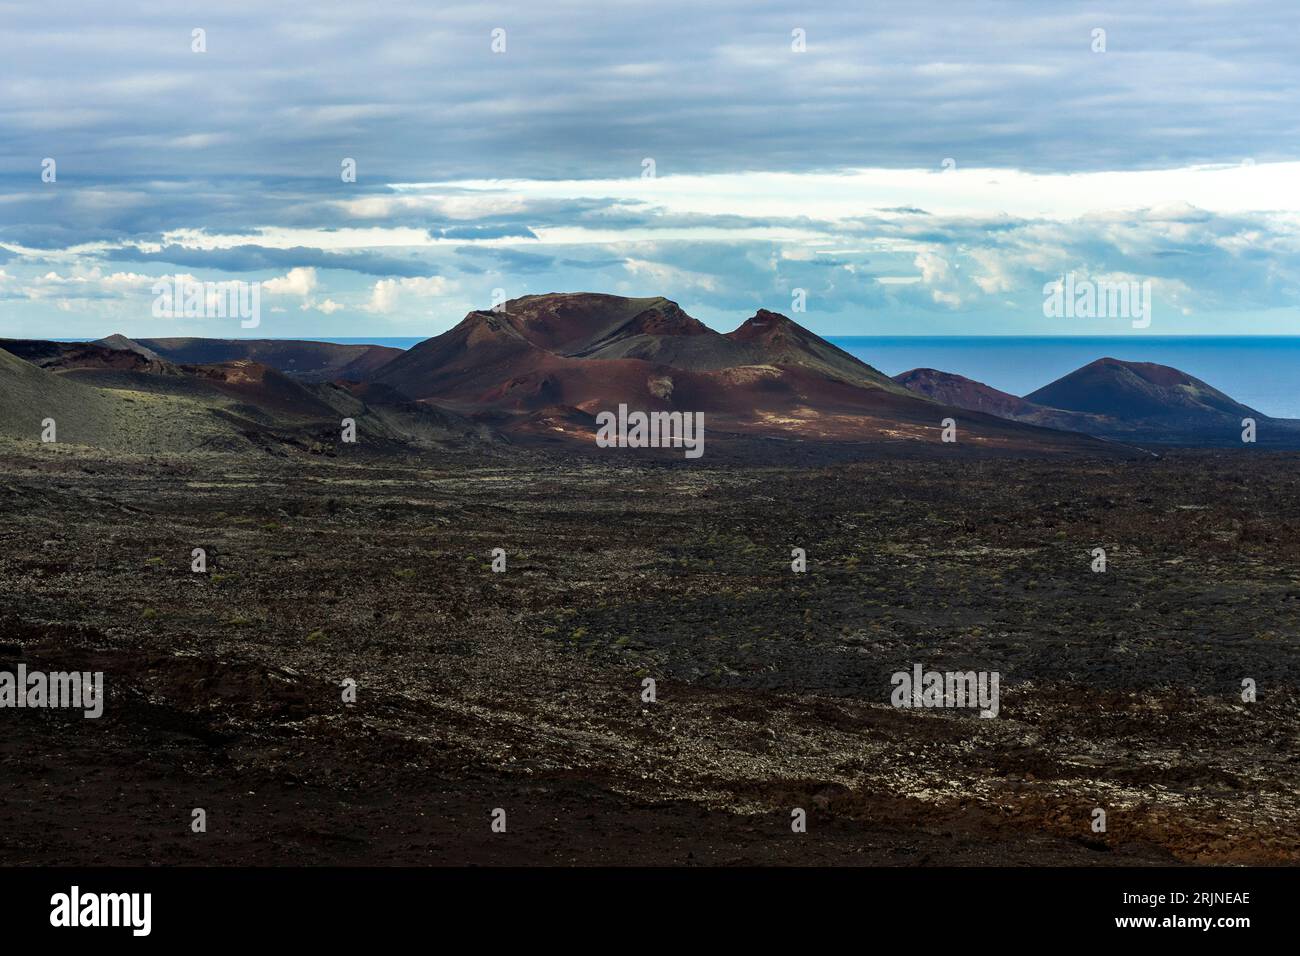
point(270, 391)
point(664, 334)
point(657, 330)
point(773, 339)
point(963, 392)
point(493, 359)
point(570, 322)
point(791, 404)
point(102, 366)
point(466, 362)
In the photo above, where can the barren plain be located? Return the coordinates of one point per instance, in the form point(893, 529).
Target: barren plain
point(522, 690)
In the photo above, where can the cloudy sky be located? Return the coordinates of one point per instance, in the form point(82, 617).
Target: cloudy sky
point(915, 168)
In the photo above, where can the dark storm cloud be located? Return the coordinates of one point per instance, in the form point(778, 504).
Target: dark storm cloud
point(413, 92)
point(509, 260)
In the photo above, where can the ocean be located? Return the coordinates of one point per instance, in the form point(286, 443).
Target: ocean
point(1260, 371)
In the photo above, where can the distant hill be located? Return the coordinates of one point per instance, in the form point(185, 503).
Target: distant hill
point(1139, 391)
point(1126, 401)
point(119, 341)
point(64, 355)
point(310, 361)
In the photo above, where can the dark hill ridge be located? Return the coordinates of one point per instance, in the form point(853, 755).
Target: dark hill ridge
point(310, 361)
point(66, 355)
point(120, 342)
point(542, 366)
point(120, 398)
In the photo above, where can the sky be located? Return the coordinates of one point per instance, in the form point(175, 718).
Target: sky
point(866, 168)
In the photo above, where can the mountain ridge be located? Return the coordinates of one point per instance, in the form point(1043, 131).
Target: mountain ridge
point(544, 365)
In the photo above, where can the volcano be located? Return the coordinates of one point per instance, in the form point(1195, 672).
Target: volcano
point(1140, 391)
point(561, 358)
point(1142, 400)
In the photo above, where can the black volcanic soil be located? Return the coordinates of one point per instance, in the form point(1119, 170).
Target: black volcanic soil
point(522, 690)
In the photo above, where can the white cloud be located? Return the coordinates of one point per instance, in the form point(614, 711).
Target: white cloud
point(670, 277)
point(1171, 194)
point(934, 268)
point(89, 283)
point(388, 294)
point(299, 281)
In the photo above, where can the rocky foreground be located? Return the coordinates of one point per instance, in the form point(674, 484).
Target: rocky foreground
point(522, 690)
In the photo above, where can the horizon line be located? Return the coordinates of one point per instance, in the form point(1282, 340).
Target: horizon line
point(826, 336)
